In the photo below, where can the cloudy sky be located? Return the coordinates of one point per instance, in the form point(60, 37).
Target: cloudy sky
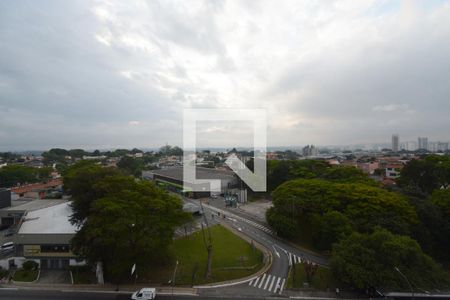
point(100, 74)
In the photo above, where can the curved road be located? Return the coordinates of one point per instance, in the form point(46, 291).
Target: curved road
point(283, 254)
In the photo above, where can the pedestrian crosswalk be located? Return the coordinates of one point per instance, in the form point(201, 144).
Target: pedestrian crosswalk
point(269, 282)
point(294, 259)
point(236, 217)
point(259, 226)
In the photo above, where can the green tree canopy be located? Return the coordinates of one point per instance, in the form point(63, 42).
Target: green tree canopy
point(363, 205)
point(433, 230)
point(329, 229)
point(422, 177)
point(79, 181)
point(130, 165)
point(369, 260)
point(280, 171)
point(132, 223)
point(12, 175)
point(441, 198)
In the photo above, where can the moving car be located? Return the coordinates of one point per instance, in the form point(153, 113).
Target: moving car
point(144, 294)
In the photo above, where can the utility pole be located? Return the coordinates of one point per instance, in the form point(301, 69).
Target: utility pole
point(208, 243)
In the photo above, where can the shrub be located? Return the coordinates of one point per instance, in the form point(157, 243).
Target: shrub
point(30, 265)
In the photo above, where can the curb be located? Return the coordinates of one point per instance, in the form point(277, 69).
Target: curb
point(268, 263)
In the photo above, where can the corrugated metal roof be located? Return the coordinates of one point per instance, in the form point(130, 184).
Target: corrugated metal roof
point(201, 173)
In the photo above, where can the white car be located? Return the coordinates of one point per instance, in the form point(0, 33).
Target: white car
point(144, 294)
point(7, 246)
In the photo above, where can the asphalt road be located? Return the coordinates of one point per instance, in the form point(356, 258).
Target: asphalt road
point(283, 254)
point(57, 295)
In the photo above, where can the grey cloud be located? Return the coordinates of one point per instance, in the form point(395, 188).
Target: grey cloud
point(326, 73)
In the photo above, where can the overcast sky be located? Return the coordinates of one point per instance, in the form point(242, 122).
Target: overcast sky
point(101, 74)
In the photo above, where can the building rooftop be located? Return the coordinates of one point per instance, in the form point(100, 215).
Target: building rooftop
point(32, 205)
point(201, 173)
point(37, 186)
point(49, 220)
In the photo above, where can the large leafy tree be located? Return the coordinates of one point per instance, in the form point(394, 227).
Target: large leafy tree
point(329, 229)
point(12, 175)
point(369, 260)
point(131, 166)
point(441, 198)
point(364, 206)
point(433, 230)
point(79, 181)
point(280, 171)
point(131, 223)
point(422, 177)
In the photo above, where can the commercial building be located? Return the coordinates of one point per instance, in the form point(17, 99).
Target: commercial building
point(12, 215)
point(172, 179)
point(44, 235)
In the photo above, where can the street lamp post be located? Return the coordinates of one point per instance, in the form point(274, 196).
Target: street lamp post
point(406, 279)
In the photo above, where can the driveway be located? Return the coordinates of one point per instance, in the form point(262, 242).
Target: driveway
point(54, 276)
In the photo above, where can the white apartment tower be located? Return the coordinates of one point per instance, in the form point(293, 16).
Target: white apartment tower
point(395, 143)
point(423, 143)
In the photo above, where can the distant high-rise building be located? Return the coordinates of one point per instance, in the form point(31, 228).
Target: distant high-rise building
point(310, 150)
point(423, 143)
point(432, 146)
point(395, 142)
point(442, 147)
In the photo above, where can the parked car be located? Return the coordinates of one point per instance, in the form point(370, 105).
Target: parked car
point(9, 232)
point(7, 246)
point(144, 294)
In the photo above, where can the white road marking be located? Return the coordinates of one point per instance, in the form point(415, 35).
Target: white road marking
point(262, 280)
point(267, 281)
point(256, 281)
point(277, 285)
point(282, 285)
point(271, 284)
point(276, 252)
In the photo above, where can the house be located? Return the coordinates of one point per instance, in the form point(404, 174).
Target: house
point(393, 170)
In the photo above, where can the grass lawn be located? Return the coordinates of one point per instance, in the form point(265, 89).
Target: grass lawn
point(83, 275)
point(24, 275)
point(322, 279)
point(232, 258)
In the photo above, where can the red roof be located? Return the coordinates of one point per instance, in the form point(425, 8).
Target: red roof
point(37, 186)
